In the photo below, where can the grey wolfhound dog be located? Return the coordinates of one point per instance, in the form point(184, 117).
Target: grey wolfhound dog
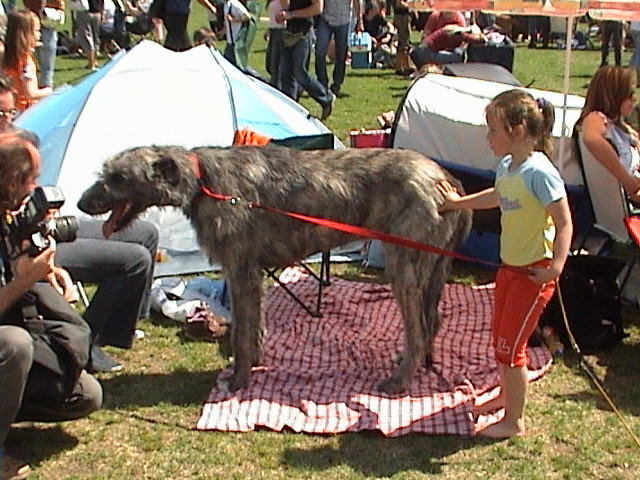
point(384, 189)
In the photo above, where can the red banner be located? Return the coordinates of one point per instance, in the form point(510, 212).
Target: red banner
point(598, 9)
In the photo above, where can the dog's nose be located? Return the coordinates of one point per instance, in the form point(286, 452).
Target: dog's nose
point(92, 200)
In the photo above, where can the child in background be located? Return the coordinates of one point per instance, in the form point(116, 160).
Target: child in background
point(534, 244)
point(235, 13)
point(382, 33)
point(21, 39)
point(204, 36)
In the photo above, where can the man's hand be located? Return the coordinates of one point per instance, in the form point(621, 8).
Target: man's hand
point(36, 268)
point(281, 16)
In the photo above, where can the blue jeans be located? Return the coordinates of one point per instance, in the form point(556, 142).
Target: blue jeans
point(635, 59)
point(611, 31)
point(272, 59)
point(340, 33)
point(422, 55)
point(293, 68)
point(46, 56)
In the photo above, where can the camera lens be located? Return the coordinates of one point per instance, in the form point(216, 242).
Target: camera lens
point(65, 229)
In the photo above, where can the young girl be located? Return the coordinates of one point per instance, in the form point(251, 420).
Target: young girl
point(23, 34)
point(536, 235)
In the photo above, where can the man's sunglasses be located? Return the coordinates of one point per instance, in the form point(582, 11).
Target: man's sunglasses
point(8, 114)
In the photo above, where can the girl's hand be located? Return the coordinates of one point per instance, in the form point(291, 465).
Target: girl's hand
point(450, 194)
point(541, 275)
point(634, 194)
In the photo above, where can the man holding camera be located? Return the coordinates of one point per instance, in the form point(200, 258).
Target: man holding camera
point(44, 343)
point(121, 267)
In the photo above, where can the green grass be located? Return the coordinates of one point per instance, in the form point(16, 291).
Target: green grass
point(145, 429)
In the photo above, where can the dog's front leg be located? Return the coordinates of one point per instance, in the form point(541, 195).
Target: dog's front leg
point(245, 283)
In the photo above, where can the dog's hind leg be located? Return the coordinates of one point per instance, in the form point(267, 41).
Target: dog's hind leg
point(436, 278)
point(248, 327)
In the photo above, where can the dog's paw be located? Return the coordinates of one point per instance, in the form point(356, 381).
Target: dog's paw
point(392, 385)
point(223, 386)
point(233, 383)
point(399, 358)
point(428, 361)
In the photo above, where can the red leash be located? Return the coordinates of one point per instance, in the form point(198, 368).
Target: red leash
point(345, 227)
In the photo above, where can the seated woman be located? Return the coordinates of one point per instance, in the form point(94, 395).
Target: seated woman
point(23, 34)
point(608, 137)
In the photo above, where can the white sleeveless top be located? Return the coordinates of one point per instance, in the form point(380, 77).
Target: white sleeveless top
point(625, 145)
point(273, 8)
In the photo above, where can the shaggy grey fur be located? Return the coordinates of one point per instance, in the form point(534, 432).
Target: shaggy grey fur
point(385, 189)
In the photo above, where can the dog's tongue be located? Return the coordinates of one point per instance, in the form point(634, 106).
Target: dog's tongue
point(109, 226)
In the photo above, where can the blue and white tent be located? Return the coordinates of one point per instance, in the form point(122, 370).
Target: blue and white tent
point(153, 96)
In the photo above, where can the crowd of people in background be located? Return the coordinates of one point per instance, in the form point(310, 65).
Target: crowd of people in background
point(297, 31)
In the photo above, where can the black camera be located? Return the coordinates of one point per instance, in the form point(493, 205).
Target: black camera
point(30, 223)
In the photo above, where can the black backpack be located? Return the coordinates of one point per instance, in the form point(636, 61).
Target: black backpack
point(591, 297)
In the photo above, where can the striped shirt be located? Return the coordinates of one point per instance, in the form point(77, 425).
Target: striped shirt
point(337, 12)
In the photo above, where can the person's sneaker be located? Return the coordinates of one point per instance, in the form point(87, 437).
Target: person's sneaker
point(328, 108)
point(13, 469)
point(101, 362)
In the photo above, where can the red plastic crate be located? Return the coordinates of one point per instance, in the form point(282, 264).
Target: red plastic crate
point(369, 138)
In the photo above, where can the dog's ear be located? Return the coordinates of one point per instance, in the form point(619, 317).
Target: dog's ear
point(166, 169)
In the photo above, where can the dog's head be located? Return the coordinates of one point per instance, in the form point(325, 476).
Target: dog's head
point(137, 179)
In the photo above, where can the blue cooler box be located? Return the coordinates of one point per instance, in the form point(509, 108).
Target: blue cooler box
point(360, 46)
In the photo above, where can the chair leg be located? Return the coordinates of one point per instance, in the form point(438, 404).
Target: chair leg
point(322, 278)
point(628, 272)
point(83, 294)
point(272, 274)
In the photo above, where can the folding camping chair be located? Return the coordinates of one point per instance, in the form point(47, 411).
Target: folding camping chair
point(322, 278)
point(613, 212)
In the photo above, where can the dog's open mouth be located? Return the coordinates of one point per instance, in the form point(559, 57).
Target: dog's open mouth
point(121, 216)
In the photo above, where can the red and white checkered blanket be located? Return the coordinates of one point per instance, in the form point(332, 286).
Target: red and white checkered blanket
point(319, 374)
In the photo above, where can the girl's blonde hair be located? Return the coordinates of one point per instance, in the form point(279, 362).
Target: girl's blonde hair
point(609, 87)
point(518, 107)
point(19, 39)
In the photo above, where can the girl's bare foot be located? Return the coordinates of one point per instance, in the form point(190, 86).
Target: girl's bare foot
point(503, 429)
point(491, 406)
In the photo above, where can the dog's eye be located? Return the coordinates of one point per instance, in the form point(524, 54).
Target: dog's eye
point(116, 179)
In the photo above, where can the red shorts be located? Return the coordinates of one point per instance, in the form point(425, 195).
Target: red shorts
point(519, 302)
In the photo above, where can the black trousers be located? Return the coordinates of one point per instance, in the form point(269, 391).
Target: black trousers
point(176, 25)
point(122, 267)
point(32, 394)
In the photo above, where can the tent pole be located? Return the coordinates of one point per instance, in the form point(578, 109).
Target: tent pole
point(565, 89)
